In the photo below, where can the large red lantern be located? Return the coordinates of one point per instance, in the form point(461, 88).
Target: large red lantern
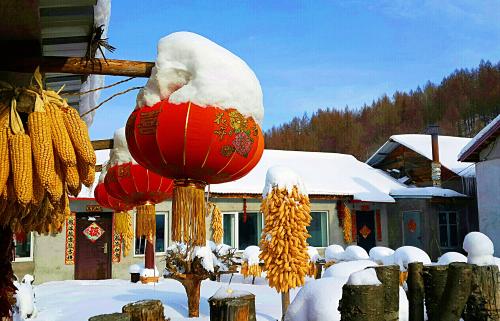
point(195, 146)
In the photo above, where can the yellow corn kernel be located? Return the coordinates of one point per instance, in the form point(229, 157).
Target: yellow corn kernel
point(41, 145)
point(38, 189)
point(86, 172)
point(60, 138)
point(22, 167)
point(72, 180)
point(79, 135)
point(56, 186)
point(4, 159)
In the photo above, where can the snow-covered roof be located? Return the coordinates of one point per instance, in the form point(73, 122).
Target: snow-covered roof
point(471, 151)
point(322, 173)
point(424, 192)
point(449, 148)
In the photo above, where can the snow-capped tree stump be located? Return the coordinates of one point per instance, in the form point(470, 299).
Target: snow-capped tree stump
point(389, 276)
point(145, 310)
point(362, 303)
point(240, 308)
point(112, 317)
point(416, 291)
point(435, 277)
point(484, 301)
point(456, 292)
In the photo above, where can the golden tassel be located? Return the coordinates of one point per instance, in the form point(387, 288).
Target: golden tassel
point(146, 220)
point(123, 226)
point(188, 212)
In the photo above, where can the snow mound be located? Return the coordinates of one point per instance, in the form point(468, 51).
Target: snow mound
point(206, 256)
point(282, 177)
point(409, 254)
point(354, 253)
point(364, 277)
point(120, 153)
point(149, 272)
point(25, 298)
point(251, 255)
point(381, 254)
point(313, 254)
point(334, 252)
point(192, 68)
point(479, 248)
point(451, 257)
point(134, 268)
point(343, 270)
point(226, 292)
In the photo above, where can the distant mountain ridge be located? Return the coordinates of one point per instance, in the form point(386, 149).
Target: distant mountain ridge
point(462, 104)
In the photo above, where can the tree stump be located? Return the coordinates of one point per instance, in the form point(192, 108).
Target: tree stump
point(416, 291)
point(233, 308)
point(362, 303)
point(145, 310)
point(484, 301)
point(389, 276)
point(456, 292)
point(435, 277)
point(111, 317)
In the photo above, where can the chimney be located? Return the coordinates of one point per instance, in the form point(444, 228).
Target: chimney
point(433, 130)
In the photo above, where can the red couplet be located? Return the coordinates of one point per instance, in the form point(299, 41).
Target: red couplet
point(209, 144)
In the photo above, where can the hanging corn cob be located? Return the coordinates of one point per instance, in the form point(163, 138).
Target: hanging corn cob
point(4, 148)
point(347, 224)
point(251, 261)
point(216, 223)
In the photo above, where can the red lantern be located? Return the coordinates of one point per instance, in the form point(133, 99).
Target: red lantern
point(105, 200)
point(195, 146)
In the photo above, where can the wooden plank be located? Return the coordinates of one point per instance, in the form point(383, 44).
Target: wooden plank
point(102, 144)
point(74, 65)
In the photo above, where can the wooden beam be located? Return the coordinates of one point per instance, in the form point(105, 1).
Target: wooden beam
point(102, 144)
point(73, 65)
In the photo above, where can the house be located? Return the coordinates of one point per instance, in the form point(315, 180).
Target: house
point(331, 179)
point(432, 217)
point(484, 151)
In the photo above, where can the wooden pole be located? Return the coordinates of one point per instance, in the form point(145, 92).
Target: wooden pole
point(456, 292)
point(435, 277)
point(484, 301)
point(362, 303)
point(145, 310)
point(416, 291)
point(285, 302)
point(76, 65)
point(389, 276)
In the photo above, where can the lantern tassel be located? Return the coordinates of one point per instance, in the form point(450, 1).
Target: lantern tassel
point(188, 212)
point(146, 220)
point(123, 226)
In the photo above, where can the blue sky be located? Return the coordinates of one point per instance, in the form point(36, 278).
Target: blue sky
point(312, 54)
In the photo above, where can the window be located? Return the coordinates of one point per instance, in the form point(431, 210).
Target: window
point(318, 229)
point(241, 232)
point(161, 243)
point(24, 247)
point(448, 229)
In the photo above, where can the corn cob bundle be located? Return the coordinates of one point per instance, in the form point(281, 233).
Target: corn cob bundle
point(60, 137)
point(250, 270)
point(79, 135)
point(22, 170)
point(216, 224)
point(283, 242)
point(347, 225)
point(123, 226)
point(311, 271)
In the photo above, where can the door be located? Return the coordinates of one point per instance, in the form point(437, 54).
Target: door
point(412, 231)
point(93, 246)
point(365, 226)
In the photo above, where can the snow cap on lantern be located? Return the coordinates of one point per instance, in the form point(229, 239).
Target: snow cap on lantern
point(196, 121)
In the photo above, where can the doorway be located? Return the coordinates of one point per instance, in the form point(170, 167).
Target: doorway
point(93, 246)
point(365, 225)
point(412, 231)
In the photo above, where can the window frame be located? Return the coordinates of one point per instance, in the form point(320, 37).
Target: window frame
point(167, 235)
point(326, 213)
point(448, 229)
point(237, 229)
point(30, 258)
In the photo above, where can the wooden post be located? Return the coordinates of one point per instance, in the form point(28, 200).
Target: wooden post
point(389, 276)
point(145, 310)
point(7, 288)
point(111, 317)
point(416, 291)
point(319, 271)
point(435, 277)
point(456, 292)
point(240, 308)
point(484, 301)
point(362, 303)
point(285, 302)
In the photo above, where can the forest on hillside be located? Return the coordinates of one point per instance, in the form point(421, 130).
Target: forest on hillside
point(462, 104)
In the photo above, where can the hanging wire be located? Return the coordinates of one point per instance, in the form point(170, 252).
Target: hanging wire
point(108, 99)
point(97, 89)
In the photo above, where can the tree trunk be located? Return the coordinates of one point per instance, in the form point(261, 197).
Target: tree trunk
point(362, 303)
point(435, 277)
point(7, 288)
point(389, 276)
point(145, 310)
point(416, 291)
point(192, 286)
point(112, 317)
point(484, 301)
point(319, 271)
point(285, 302)
point(456, 292)
point(241, 308)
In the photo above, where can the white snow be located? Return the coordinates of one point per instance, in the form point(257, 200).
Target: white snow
point(120, 153)
point(192, 68)
point(344, 269)
point(226, 292)
point(479, 136)
point(283, 177)
point(149, 272)
point(134, 268)
point(25, 298)
point(379, 254)
point(450, 257)
point(409, 254)
point(102, 158)
point(424, 192)
point(334, 252)
point(364, 277)
point(313, 254)
point(206, 256)
point(354, 253)
point(251, 255)
point(479, 248)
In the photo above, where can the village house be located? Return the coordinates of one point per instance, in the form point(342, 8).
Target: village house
point(484, 151)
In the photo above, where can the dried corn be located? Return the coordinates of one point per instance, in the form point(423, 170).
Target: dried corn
point(22, 167)
point(4, 159)
point(41, 144)
point(60, 138)
point(56, 186)
point(79, 135)
point(216, 224)
point(86, 172)
point(72, 180)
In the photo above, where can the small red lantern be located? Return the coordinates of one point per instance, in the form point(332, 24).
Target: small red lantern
point(195, 146)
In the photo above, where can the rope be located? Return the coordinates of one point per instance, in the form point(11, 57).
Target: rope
point(108, 99)
point(100, 88)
